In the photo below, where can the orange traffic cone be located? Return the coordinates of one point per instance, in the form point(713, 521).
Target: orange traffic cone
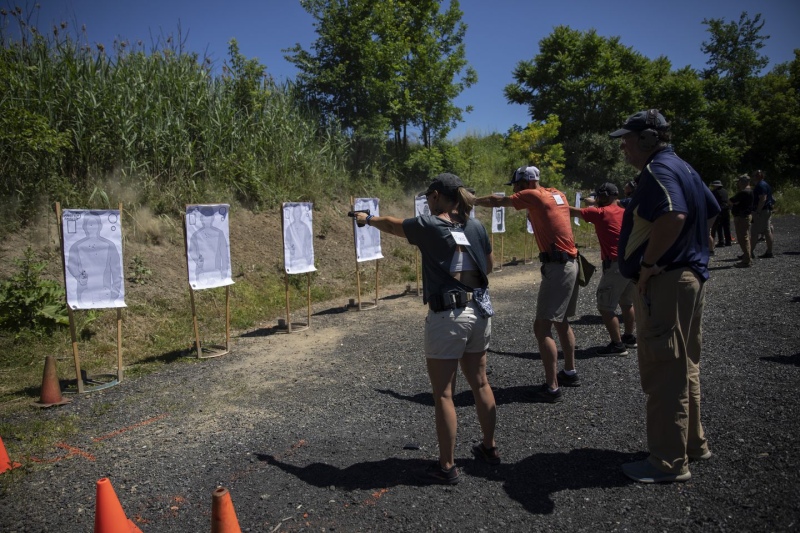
point(108, 514)
point(223, 516)
point(5, 461)
point(51, 389)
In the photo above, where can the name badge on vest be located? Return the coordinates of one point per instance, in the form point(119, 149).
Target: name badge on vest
point(558, 199)
point(460, 238)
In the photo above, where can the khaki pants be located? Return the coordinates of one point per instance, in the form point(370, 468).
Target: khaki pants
point(742, 225)
point(668, 320)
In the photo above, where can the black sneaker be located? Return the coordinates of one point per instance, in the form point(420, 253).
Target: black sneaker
point(487, 455)
point(436, 474)
point(613, 349)
point(544, 395)
point(629, 341)
point(742, 264)
point(567, 380)
point(766, 255)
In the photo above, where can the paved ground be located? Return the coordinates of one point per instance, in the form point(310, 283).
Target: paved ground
point(325, 430)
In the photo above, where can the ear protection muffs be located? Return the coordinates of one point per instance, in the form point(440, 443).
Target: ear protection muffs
point(648, 138)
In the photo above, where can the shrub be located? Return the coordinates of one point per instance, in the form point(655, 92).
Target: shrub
point(28, 302)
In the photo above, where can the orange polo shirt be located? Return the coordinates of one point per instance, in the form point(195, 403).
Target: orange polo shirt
point(548, 211)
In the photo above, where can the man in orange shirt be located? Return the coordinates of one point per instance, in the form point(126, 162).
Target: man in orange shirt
point(548, 212)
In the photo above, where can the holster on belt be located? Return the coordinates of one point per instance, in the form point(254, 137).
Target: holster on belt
point(455, 299)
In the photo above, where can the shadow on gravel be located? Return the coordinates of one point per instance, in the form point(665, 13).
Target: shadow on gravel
point(726, 267)
point(502, 396)
point(521, 355)
point(587, 320)
point(533, 480)
point(366, 476)
point(784, 359)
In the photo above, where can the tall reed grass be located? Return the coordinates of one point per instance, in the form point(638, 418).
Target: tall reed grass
point(161, 124)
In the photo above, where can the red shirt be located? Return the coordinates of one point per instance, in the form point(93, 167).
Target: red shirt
point(607, 223)
point(548, 211)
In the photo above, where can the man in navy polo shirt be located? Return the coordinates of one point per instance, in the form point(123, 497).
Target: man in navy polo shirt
point(664, 247)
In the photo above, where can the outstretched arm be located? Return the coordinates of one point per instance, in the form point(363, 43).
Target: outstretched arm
point(494, 201)
point(391, 225)
point(576, 212)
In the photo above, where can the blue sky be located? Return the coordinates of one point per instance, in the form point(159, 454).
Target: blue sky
point(500, 34)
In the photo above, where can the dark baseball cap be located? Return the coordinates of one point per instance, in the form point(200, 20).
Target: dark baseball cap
point(639, 122)
point(446, 184)
point(607, 189)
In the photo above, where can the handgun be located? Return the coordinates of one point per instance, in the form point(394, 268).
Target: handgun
point(352, 214)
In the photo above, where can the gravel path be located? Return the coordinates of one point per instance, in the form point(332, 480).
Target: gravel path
point(325, 430)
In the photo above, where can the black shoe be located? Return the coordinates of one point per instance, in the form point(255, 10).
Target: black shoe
point(487, 455)
point(567, 380)
point(629, 341)
point(721, 244)
point(544, 395)
point(728, 244)
point(742, 264)
point(766, 255)
point(612, 349)
point(741, 256)
point(436, 474)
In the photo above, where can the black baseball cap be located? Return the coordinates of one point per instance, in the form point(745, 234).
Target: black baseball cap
point(445, 183)
point(607, 189)
point(639, 122)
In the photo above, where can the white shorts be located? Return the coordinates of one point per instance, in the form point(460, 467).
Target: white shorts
point(452, 333)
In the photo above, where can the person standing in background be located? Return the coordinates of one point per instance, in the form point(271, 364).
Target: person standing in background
point(741, 207)
point(613, 289)
point(722, 225)
point(763, 202)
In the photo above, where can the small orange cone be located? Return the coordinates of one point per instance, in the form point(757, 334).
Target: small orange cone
point(5, 461)
point(51, 389)
point(223, 516)
point(108, 514)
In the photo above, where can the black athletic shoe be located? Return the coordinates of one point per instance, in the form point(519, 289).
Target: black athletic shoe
point(544, 395)
point(567, 380)
point(612, 349)
point(629, 341)
point(436, 474)
point(487, 455)
point(766, 255)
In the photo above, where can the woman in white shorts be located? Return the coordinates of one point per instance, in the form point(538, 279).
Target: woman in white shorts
point(456, 259)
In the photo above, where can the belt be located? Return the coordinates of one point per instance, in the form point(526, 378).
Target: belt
point(555, 257)
point(455, 299)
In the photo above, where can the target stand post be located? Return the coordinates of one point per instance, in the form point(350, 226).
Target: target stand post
point(286, 324)
point(212, 350)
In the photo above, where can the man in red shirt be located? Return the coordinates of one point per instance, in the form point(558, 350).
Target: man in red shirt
point(548, 212)
point(613, 289)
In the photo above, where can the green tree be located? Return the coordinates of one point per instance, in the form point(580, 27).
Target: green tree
point(731, 82)
point(535, 145)
point(588, 81)
point(382, 66)
point(776, 143)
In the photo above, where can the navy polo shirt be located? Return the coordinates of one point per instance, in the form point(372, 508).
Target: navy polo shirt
point(668, 184)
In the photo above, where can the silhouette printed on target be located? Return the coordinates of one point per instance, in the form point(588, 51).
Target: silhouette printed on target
point(208, 247)
point(94, 262)
point(299, 241)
